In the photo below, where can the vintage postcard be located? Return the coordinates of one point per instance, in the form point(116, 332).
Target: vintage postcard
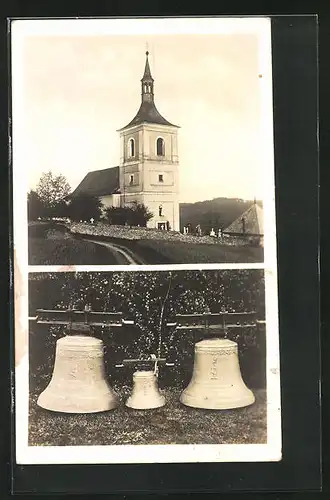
point(146, 316)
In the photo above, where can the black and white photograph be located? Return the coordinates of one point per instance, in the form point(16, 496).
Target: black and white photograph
point(144, 150)
point(131, 358)
point(145, 268)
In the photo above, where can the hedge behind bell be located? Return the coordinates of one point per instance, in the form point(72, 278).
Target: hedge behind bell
point(140, 296)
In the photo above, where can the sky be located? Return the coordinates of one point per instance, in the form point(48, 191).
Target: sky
point(79, 90)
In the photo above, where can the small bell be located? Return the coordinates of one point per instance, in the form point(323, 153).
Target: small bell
point(145, 394)
point(216, 381)
point(78, 383)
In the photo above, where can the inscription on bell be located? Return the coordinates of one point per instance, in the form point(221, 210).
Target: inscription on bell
point(145, 394)
point(216, 381)
point(214, 371)
point(146, 385)
point(73, 372)
point(78, 383)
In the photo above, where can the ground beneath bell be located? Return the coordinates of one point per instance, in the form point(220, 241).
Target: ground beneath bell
point(171, 424)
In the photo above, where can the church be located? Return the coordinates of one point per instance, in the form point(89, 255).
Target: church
point(148, 172)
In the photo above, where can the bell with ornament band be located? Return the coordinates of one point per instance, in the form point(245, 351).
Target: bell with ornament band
point(78, 383)
point(216, 381)
point(145, 393)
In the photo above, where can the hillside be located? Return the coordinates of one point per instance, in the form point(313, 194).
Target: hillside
point(216, 213)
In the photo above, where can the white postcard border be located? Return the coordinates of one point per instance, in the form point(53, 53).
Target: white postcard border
point(146, 453)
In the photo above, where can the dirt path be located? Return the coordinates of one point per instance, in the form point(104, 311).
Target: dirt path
point(120, 253)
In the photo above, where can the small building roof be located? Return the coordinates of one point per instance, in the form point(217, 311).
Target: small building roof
point(99, 183)
point(250, 222)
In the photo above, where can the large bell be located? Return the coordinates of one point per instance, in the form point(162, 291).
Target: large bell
point(145, 394)
point(216, 382)
point(78, 383)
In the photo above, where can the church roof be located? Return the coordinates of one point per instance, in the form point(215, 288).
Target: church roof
point(253, 222)
point(99, 183)
point(148, 112)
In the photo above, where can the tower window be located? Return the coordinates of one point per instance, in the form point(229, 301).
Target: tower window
point(131, 179)
point(160, 178)
point(160, 210)
point(131, 147)
point(160, 146)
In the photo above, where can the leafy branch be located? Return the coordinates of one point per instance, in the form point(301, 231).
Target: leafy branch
point(161, 320)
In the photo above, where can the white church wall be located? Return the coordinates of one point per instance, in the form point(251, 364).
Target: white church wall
point(169, 209)
point(112, 200)
point(160, 178)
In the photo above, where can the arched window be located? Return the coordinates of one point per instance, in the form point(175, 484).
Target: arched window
point(131, 147)
point(160, 146)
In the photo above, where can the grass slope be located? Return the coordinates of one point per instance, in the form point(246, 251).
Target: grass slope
point(67, 252)
point(175, 252)
point(171, 424)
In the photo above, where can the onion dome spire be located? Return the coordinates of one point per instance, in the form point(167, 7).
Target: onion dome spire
point(148, 113)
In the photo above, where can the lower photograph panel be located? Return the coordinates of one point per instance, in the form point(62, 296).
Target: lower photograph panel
point(143, 358)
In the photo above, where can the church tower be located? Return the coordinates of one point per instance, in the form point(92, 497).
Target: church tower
point(148, 171)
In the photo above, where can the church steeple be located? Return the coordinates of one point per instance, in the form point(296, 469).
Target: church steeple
point(148, 113)
point(147, 83)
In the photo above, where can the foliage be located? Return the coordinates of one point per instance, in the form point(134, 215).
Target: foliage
point(137, 214)
point(52, 189)
point(84, 207)
point(117, 215)
point(140, 296)
point(35, 206)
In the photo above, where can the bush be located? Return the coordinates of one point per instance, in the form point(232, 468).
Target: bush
point(84, 207)
point(117, 215)
point(35, 206)
point(135, 215)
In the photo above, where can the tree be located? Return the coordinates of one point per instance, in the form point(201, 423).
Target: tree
point(35, 207)
point(52, 189)
point(84, 207)
point(135, 215)
point(117, 215)
point(140, 214)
